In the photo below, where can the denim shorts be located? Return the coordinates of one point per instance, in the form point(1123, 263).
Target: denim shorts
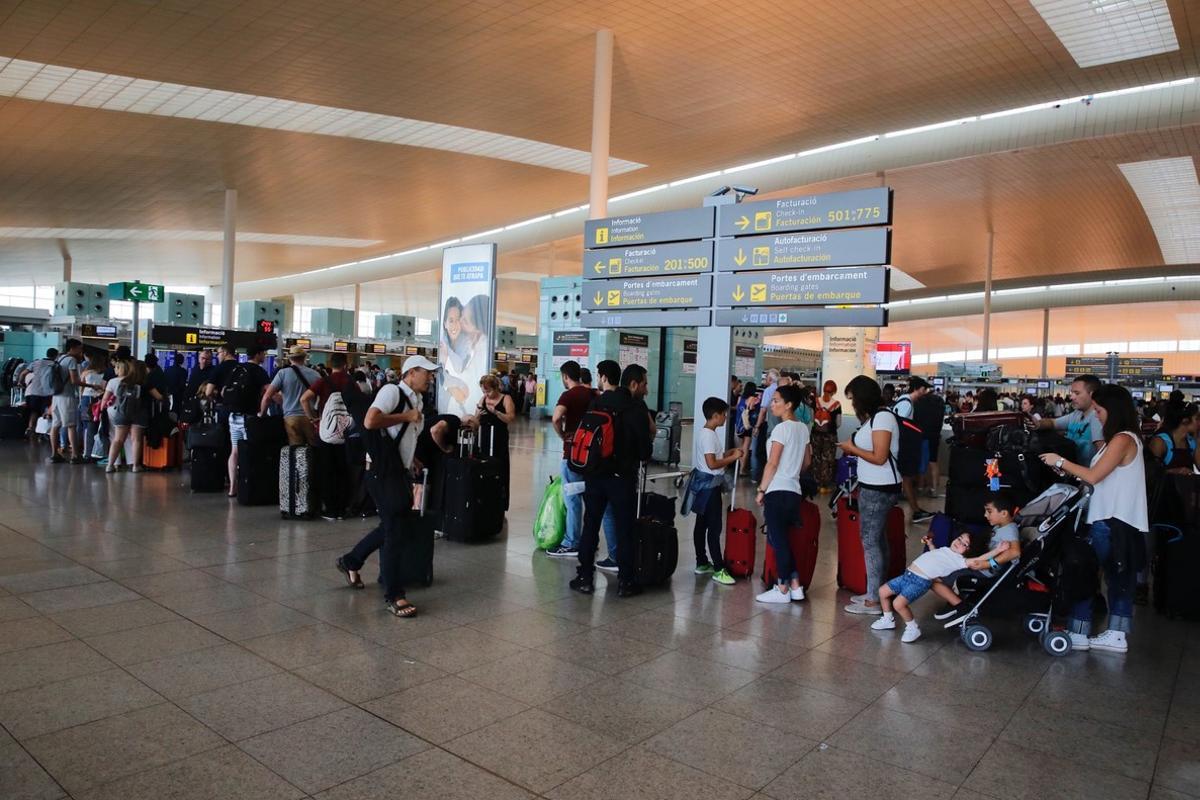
point(911, 585)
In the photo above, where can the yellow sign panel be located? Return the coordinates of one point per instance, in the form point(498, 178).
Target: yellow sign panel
point(190, 338)
point(541, 393)
point(758, 293)
point(601, 235)
point(614, 266)
point(614, 297)
point(762, 256)
point(762, 221)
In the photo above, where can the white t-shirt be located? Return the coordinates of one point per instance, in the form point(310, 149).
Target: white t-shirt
point(885, 474)
point(707, 441)
point(388, 401)
point(938, 563)
point(794, 438)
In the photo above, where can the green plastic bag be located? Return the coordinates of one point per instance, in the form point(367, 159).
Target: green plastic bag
point(550, 524)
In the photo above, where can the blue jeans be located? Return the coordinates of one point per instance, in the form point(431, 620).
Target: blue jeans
point(1120, 583)
point(574, 504)
point(781, 509)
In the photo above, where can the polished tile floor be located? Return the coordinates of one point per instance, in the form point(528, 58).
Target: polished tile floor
point(157, 644)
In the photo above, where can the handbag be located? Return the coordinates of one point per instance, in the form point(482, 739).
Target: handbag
point(211, 435)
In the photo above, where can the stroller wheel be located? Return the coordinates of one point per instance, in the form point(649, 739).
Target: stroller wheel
point(1057, 643)
point(1035, 624)
point(977, 637)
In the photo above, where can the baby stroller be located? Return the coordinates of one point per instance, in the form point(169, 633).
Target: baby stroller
point(1030, 585)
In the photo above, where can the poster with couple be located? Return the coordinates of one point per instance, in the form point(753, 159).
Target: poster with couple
point(467, 324)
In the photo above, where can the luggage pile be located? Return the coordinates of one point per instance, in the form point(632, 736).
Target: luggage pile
point(475, 493)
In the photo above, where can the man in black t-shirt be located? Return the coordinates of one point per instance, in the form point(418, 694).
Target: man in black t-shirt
point(257, 380)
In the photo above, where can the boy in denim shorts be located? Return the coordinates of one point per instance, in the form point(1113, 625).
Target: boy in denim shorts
point(934, 563)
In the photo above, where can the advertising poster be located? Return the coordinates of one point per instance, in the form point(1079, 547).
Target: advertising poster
point(571, 346)
point(634, 349)
point(468, 326)
point(743, 362)
point(689, 356)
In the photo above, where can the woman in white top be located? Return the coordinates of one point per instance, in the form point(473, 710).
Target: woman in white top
point(788, 454)
point(1116, 515)
point(876, 445)
point(92, 431)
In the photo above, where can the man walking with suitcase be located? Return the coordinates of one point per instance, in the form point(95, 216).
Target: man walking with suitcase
point(614, 482)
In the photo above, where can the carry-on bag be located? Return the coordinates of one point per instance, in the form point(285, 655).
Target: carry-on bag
point(971, 430)
point(12, 422)
point(656, 543)
point(804, 539)
point(740, 536)
point(299, 497)
point(168, 454)
point(852, 563)
point(473, 495)
point(208, 469)
point(550, 524)
point(257, 474)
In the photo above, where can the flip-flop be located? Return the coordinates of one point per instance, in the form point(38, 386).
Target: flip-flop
point(354, 580)
point(406, 610)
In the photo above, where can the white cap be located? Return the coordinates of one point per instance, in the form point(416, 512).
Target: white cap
point(413, 362)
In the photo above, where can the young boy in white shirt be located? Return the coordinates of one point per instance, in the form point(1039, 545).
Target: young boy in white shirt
point(901, 592)
point(710, 460)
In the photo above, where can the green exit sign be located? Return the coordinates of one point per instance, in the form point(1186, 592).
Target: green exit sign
point(136, 291)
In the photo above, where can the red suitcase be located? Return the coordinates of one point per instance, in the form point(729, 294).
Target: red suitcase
point(804, 539)
point(852, 565)
point(740, 537)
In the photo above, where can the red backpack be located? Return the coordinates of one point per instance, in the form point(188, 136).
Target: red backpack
point(593, 445)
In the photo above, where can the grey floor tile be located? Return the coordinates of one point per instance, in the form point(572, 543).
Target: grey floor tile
point(845, 677)
point(429, 775)
point(224, 597)
point(1162, 793)
point(196, 671)
point(42, 580)
point(1074, 737)
point(1009, 772)
point(214, 775)
point(603, 651)
point(1179, 767)
point(622, 710)
point(324, 751)
point(689, 677)
point(173, 583)
point(528, 628)
point(138, 566)
point(1183, 723)
point(84, 596)
point(662, 628)
point(12, 608)
point(703, 741)
point(74, 701)
point(947, 704)
point(154, 641)
point(507, 749)
point(531, 677)
point(794, 629)
point(255, 621)
point(261, 705)
point(445, 709)
point(368, 675)
point(112, 618)
point(1123, 706)
point(833, 774)
point(640, 773)
point(936, 750)
point(990, 672)
point(100, 752)
point(457, 649)
point(744, 650)
point(884, 648)
point(790, 707)
point(302, 647)
point(49, 663)
point(21, 634)
point(22, 778)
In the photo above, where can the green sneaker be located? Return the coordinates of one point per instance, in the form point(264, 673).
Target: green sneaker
point(723, 577)
point(703, 569)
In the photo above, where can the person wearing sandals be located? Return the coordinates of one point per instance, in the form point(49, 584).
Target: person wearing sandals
point(788, 454)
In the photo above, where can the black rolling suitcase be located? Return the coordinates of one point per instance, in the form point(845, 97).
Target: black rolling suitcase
point(257, 474)
point(494, 448)
point(208, 469)
point(12, 422)
point(655, 540)
point(416, 546)
point(299, 497)
point(473, 496)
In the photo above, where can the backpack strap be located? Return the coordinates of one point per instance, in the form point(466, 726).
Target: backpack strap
point(891, 458)
point(300, 374)
point(1166, 437)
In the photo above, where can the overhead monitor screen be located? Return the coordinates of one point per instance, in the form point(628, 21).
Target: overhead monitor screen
point(895, 357)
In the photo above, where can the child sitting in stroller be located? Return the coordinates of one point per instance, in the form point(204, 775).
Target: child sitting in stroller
point(901, 592)
point(1000, 511)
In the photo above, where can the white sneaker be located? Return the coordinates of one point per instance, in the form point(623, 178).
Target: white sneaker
point(797, 593)
point(1080, 642)
point(774, 596)
point(861, 598)
point(865, 610)
point(911, 633)
point(885, 623)
point(1112, 641)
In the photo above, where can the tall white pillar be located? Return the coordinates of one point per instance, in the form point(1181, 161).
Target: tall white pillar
point(987, 297)
point(601, 124)
point(227, 315)
point(66, 261)
point(1045, 340)
point(847, 353)
point(357, 307)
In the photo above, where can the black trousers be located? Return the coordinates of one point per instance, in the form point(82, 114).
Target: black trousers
point(708, 525)
point(599, 493)
point(395, 517)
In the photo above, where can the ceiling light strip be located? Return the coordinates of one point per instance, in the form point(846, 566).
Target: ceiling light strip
point(1170, 195)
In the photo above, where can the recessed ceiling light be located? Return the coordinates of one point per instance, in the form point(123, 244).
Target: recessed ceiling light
point(1103, 31)
point(167, 234)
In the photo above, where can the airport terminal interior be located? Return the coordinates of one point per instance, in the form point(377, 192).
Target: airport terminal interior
point(508, 399)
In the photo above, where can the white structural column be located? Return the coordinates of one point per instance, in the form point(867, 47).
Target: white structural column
point(1045, 340)
point(66, 261)
point(601, 121)
point(846, 354)
point(227, 315)
point(987, 296)
point(357, 308)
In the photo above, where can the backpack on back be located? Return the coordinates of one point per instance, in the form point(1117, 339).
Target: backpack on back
point(911, 440)
point(238, 394)
point(127, 403)
point(593, 445)
point(336, 421)
point(58, 381)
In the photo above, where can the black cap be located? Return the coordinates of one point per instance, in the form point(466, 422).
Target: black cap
point(917, 382)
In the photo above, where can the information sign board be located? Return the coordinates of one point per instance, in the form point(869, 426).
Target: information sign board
point(857, 247)
point(853, 209)
point(675, 318)
point(645, 293)
point(663, 226)
point(804, 287)
point(649, 260)
point(871, 317)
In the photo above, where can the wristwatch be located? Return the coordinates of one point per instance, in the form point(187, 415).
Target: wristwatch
point(1058, 464)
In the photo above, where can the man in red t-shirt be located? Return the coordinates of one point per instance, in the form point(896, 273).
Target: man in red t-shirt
point(341, 465)
point(572, 405)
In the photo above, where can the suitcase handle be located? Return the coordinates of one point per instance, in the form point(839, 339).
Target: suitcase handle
point(733, 494)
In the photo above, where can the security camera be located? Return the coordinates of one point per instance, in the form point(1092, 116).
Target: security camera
point(746, 190)
point(722, 191)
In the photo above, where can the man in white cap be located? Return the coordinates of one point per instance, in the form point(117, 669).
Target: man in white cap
point(394, 423)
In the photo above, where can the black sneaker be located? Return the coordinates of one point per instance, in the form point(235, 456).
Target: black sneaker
point(947, 611)
point(563, 552)
point(629, 589)
point(57, 459)
point(607, 565)
point(922, 516)
point(581, 586)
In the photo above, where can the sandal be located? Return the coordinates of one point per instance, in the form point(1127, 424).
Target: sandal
point(401, 608)
point(353, 577)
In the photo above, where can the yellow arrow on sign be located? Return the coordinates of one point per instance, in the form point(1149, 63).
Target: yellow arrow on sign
point(599, 267)
point(738, 294)
point(740, 258)
point(743, 223)
point(599, 298)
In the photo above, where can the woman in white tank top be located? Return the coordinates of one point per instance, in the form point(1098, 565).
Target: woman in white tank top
point(1117, 517)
